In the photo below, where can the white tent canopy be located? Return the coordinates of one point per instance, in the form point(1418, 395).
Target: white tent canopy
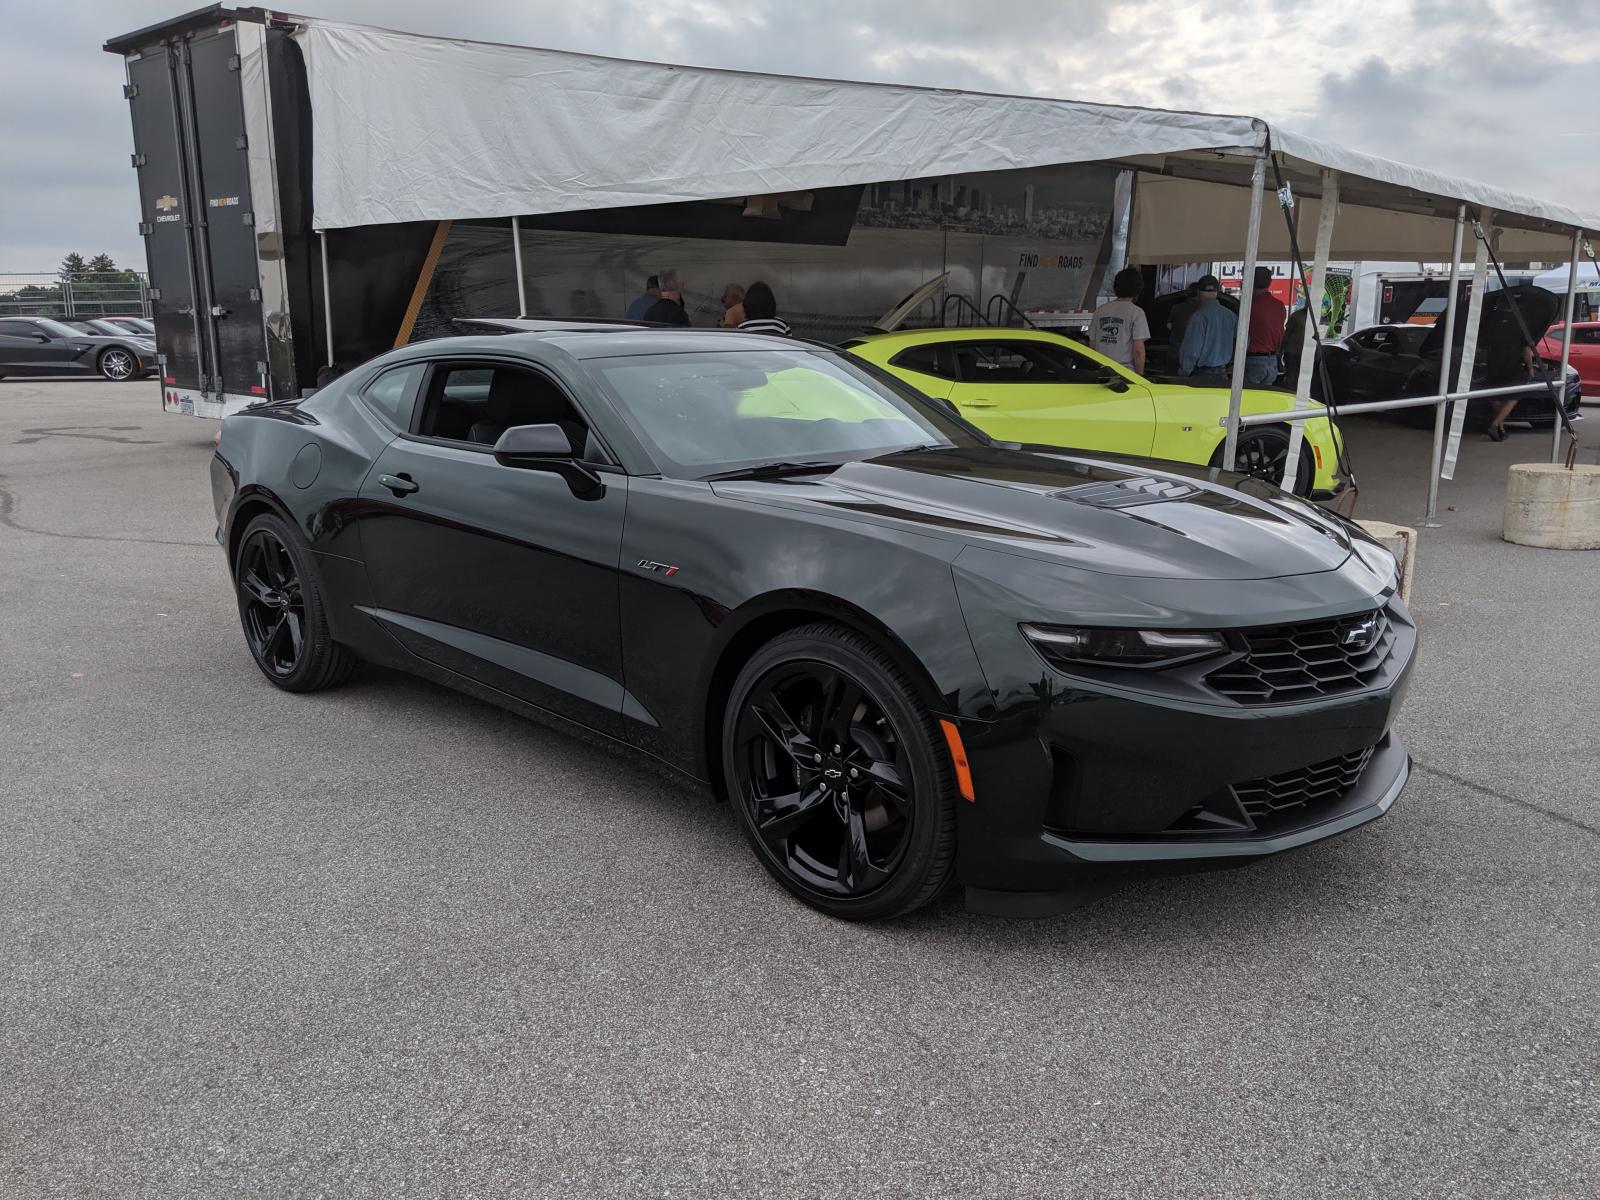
point(1556, 280)
point(408, 128)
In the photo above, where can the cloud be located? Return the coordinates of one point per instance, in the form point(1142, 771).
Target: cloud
point(1494, 89)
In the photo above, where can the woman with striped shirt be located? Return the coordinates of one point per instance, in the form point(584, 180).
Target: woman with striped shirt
point(761, 312)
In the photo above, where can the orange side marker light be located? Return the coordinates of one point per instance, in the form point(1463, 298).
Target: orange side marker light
point(958, 755)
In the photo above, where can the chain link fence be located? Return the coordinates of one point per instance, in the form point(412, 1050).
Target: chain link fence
point(78, 294)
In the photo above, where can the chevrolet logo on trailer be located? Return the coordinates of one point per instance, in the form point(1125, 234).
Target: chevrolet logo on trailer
point(165, 203)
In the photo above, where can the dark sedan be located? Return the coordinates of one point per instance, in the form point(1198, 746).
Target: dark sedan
point(905, 652)
point(1387, 362)
point(45, 346)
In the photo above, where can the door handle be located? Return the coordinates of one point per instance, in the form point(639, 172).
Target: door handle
point(980, 403)
point(400, 485)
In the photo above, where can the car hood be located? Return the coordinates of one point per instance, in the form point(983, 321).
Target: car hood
point(1108, 514)
point(1498, 331)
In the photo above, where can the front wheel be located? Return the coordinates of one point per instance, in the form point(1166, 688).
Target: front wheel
point(117, 364)
point(838, 775)
point(1263, 453)
point(283, 612)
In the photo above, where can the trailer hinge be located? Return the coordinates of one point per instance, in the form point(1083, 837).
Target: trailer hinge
point(218, 311)
point(241, 142)
point(130, 90)
point(161, 360)
point(233, 62)
point(153, 293)
point(146, 229)
point(255, 293)
point(138, 160)
point(247, 219)
point(261, 368)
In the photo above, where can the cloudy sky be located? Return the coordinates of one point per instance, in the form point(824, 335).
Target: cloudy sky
point(1500, 90)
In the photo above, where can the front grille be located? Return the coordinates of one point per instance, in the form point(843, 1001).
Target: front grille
point(1284, 663)
point(1320, 783)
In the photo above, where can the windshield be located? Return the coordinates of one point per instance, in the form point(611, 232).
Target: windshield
point(708, 411)
point(58, 328)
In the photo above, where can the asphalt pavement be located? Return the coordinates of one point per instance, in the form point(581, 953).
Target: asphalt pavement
point(389, 941)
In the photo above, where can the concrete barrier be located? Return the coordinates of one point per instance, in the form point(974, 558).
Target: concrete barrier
point(1548, 505)
point(1401, 541)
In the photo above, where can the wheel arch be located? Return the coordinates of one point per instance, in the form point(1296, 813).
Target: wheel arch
point(250, 505)
point(759, 622)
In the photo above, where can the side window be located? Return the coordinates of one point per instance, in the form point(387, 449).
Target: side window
point(475, 403)
point(930, 359)
point(1024, 362)
point(1586, 337)
point(17, 328)
point(391, 394)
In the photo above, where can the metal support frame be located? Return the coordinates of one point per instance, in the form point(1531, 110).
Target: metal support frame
point(1437, 462)
point(1469, 344)
point(1327, 211)
point(516, 250)
point(1566, 340)
point(1241, 337)
point(1295, 414)
point(327, 296)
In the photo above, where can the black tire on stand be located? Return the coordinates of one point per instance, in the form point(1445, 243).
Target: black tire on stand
point(282, 610)
point(839, 774)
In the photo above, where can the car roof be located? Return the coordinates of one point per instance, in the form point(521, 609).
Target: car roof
point(960, 333)
point(600, 342)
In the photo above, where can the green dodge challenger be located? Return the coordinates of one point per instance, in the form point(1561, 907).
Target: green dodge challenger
point(1033, 386)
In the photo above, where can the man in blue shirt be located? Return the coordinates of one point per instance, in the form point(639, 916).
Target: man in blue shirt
point(652, 293)
point(1207, 347)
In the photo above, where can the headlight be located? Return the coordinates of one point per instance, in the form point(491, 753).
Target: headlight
point(1063, 645)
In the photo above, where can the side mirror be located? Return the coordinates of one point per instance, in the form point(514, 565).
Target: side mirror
point(1116, 383)
point(547, 448)
point(41, 337)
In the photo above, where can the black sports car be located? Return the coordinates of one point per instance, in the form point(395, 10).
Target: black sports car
point(1386, 362)
point(44, 346)
point(904, 651)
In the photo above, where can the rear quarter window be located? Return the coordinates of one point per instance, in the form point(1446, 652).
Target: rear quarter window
point(392, 394)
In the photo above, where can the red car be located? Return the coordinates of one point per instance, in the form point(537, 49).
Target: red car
point(1585, 355)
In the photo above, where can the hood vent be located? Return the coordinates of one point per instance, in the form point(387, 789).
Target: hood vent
point(1127, 493)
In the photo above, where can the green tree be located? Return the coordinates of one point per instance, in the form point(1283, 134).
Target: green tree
point(102, 264)
point(73, 264)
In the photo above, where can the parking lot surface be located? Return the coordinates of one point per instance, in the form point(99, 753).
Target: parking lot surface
point(388, 941)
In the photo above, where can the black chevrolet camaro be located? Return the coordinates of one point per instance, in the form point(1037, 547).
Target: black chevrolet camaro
point(905, 652)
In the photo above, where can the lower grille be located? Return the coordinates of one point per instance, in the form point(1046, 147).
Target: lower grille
point(1320, 783)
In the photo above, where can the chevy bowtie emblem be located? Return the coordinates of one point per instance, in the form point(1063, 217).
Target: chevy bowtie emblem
point(658, 568)
point(166, 202)
point(1360, 637)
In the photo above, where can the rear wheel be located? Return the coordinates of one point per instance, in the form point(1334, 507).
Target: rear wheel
point(1263, 452)
point(117, 364)
point(282, 610)
point(840, 781)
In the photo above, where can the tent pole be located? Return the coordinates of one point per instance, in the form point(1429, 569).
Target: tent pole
point(1328, 208)
point(516, 247)
point(1429, 521)
point(1241, 338)
point(1469, 344)
point(1566, 341)
point(327, 296)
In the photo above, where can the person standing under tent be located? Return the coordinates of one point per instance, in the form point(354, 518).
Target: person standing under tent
point(669, 309)
point(1268, 316)
point(1119, 328)
point(732, 306)
point(1207, 347)
point(641, 305)
point(761, 312)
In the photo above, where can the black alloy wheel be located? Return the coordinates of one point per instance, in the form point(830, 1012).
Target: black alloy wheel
point(1263, 453)
point(117, 364)
point(841, 788)
point(281, 610)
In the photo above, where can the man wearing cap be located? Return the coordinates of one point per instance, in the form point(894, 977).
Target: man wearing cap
point(1207, 347)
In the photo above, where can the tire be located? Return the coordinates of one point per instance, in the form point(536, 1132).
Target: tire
point(813, 710)
point(117, 364)
point(283, 612)
point(1262, 452)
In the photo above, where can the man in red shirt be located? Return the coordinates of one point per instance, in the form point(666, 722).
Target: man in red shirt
point(1267, 317)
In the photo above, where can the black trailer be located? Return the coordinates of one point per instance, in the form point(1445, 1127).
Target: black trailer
point(221, 137)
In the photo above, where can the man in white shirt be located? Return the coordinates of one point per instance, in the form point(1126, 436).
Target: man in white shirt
point(1119, 328)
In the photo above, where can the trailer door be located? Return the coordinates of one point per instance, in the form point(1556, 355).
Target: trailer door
point(166, 218)
point(230, 278)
